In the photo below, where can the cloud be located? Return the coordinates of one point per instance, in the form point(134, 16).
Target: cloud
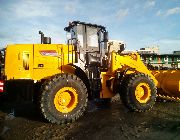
point(122, 13)
point(26, 9)
point(170, 41)
point(32, 8)
point(159, 13)
point(169, 45)
point(173, 11)
point(31, 35)
point(22, 19)
point(166, 45)
point(149, 4)
point(70, 7)
point(168, 12)
point(38, 8)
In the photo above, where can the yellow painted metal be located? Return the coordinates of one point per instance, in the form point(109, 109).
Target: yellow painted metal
point(106, 92)
point(119, 63)
point(143, 92)
point(43, 56)
point(37, 61)
point(168, 81)
point(41, 61)
point(66, 99)
point(132, 62)
point(18, 57)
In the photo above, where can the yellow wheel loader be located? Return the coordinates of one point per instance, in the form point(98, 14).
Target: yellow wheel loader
point(63, 77)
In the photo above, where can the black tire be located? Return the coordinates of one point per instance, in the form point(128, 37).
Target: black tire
point(128, 88)
point(50, 89)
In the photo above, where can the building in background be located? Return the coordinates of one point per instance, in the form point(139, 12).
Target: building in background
point(149, 50)
point(151, 56)
point(162, 60)
point(176, 52)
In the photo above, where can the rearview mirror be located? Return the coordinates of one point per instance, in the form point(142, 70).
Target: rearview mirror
point(106, 37)
point(121, 48)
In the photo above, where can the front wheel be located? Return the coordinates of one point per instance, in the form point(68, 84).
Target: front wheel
point(63, 98)
point(138, 92)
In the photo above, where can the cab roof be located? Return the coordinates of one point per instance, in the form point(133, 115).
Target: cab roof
point(75, 23)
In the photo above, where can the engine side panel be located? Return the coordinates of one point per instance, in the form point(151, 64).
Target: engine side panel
point(19, 61)
point(36, 61)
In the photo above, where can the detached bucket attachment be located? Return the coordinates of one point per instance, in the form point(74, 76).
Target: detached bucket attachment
point(169, 83)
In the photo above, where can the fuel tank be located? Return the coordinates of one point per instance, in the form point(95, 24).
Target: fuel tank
point(168, 81)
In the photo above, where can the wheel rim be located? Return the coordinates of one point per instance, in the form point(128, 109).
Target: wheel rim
point(143, 92)
point(66, 99)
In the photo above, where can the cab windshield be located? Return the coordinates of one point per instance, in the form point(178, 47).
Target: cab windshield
point(86, 37)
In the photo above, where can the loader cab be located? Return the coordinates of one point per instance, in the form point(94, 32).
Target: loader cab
point(90, 41)
point(90, 45)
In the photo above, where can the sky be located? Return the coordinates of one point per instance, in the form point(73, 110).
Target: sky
point(139, 23)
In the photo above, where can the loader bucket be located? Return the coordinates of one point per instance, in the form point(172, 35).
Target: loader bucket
point(169, 82)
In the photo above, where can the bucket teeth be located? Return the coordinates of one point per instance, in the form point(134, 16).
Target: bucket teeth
point(169, 98)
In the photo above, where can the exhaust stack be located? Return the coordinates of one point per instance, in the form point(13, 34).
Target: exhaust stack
point(44, 40)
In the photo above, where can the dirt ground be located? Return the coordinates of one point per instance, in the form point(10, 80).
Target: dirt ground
point(22, 122)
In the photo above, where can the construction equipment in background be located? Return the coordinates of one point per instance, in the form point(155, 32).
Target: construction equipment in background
point(85, 68)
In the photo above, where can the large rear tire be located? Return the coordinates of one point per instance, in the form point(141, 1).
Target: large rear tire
point(138, 92)
point(64, 98)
